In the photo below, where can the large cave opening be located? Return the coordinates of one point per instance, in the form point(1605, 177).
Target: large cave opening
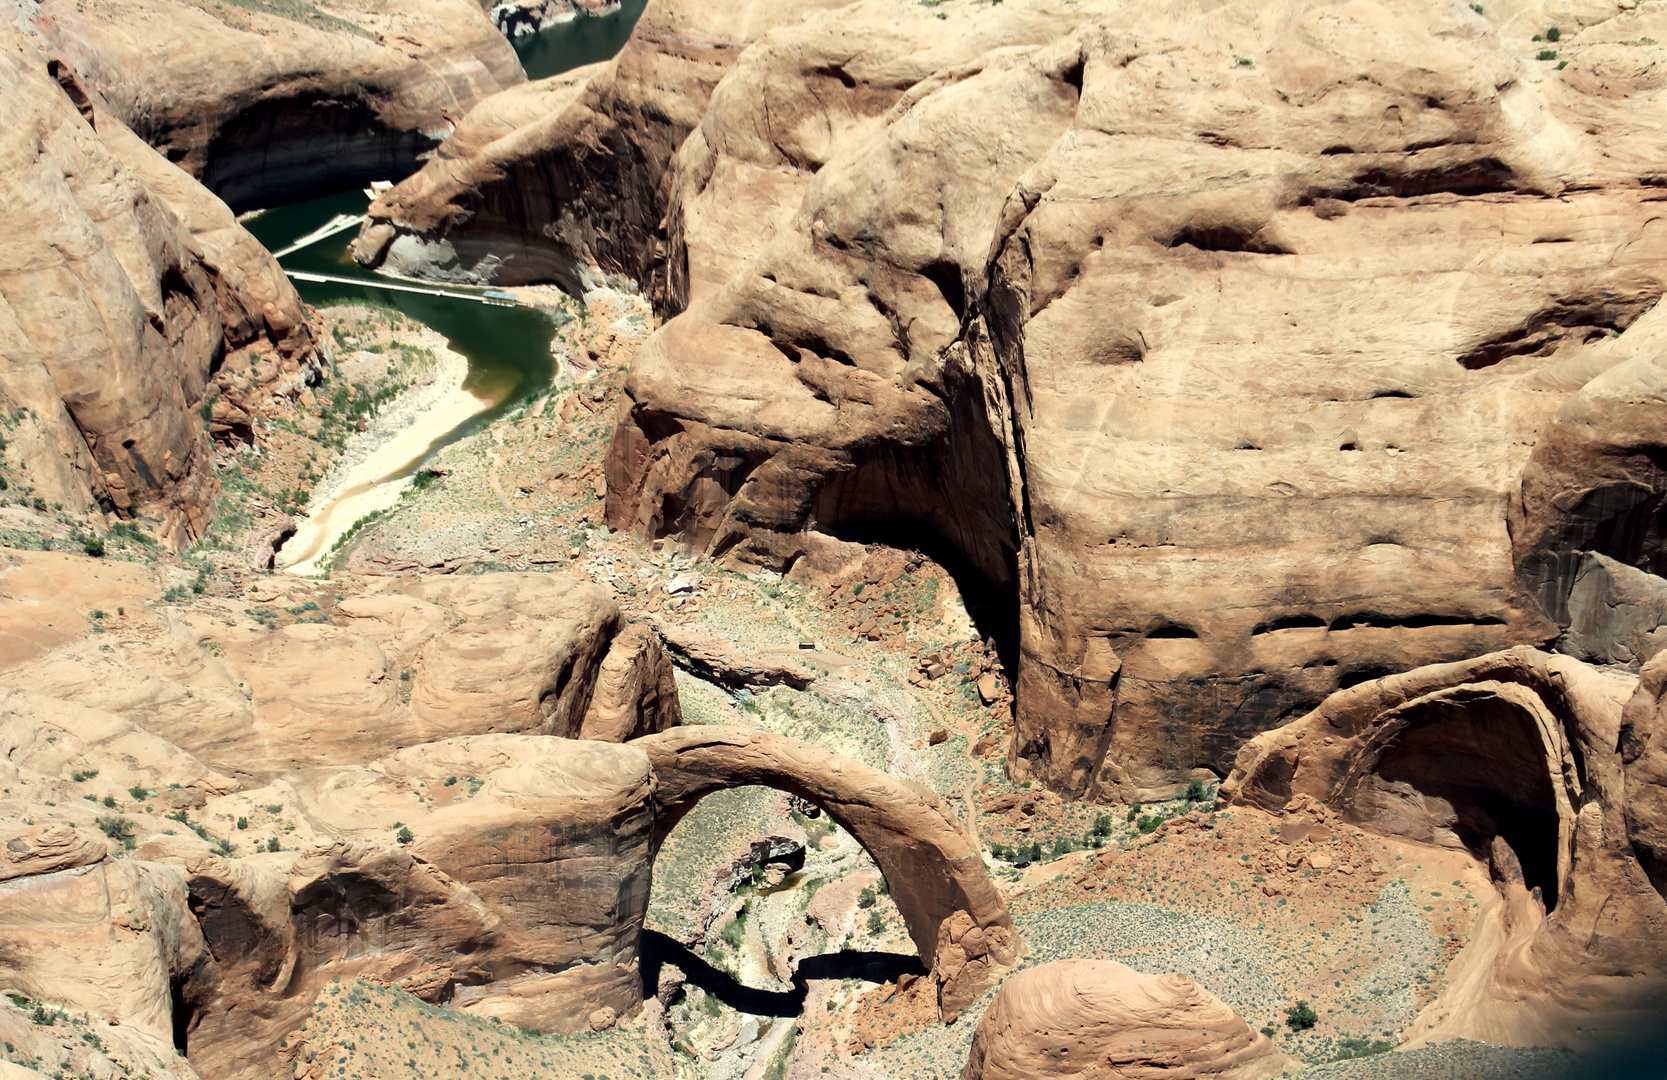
point(287, 148)
point(994, 610)
point(1462, 772)
point(950, 500)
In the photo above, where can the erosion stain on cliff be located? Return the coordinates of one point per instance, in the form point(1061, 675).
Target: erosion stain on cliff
point(1226, 236)
point(1576, 320)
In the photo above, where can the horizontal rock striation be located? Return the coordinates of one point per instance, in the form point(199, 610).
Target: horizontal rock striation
point(1222, 344)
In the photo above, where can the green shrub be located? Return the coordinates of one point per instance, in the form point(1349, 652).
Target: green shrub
point(1301, 1016)
point(272, 843)
point(405, 835)
point(866, 898)
point(94, 547)
point(1554, 34)
point(1358, 1047)
point(1195, 790)
point(1150, 823)
point(119, 829)
point(83, 775)
point(734, 929)
point(1547, 54)
point(1102, 825)
point(876, 922)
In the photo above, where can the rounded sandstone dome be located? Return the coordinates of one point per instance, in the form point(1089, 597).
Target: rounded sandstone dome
point(1099, 1020)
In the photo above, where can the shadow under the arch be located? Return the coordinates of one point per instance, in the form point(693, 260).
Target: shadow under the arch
point(659, 949)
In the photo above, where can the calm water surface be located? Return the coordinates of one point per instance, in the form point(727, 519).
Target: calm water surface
point(588, 39)
point(508, 348)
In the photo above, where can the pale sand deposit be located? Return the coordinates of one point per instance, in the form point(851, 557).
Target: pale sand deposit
point(387, 463)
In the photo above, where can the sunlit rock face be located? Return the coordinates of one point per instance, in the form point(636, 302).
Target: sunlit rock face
point(1247, 355)
point(123, 284)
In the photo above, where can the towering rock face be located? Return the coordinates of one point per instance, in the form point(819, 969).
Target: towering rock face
point(262, 106)
point(1100, 1020)
point(568, 179)
point(1548, 773)
point(1219, 342)
point(114, 307)
point(1587, 523)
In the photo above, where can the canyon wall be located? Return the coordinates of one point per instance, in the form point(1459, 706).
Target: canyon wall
point(1191, 516)
point(568, 179)
point(122, 286)
point(1253, 353)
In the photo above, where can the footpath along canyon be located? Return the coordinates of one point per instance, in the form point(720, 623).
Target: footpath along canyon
point(871, 539)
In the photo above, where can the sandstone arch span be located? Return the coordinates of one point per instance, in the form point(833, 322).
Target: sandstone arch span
point(953, 911)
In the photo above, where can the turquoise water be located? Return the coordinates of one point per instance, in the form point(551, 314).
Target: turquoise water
point(508, 348)
point(588, 39)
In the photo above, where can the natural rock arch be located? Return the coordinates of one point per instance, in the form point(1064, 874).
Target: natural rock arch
point(951, 908)
point(1517, 757)
point(1474, 765)
point(1452, 754)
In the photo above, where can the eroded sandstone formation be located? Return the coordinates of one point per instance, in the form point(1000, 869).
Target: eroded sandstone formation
point(567, 179)
point(1518, 759)
point(955, 916)
point(1221, 342)
point(295, 812)
point(123, 284)
point(444, 657)
point(265, 104)
point(1100, 1020)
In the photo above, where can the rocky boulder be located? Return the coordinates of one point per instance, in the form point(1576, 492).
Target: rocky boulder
point(1100, 1020)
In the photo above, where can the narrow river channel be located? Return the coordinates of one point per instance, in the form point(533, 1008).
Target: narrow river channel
point(507, 347)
